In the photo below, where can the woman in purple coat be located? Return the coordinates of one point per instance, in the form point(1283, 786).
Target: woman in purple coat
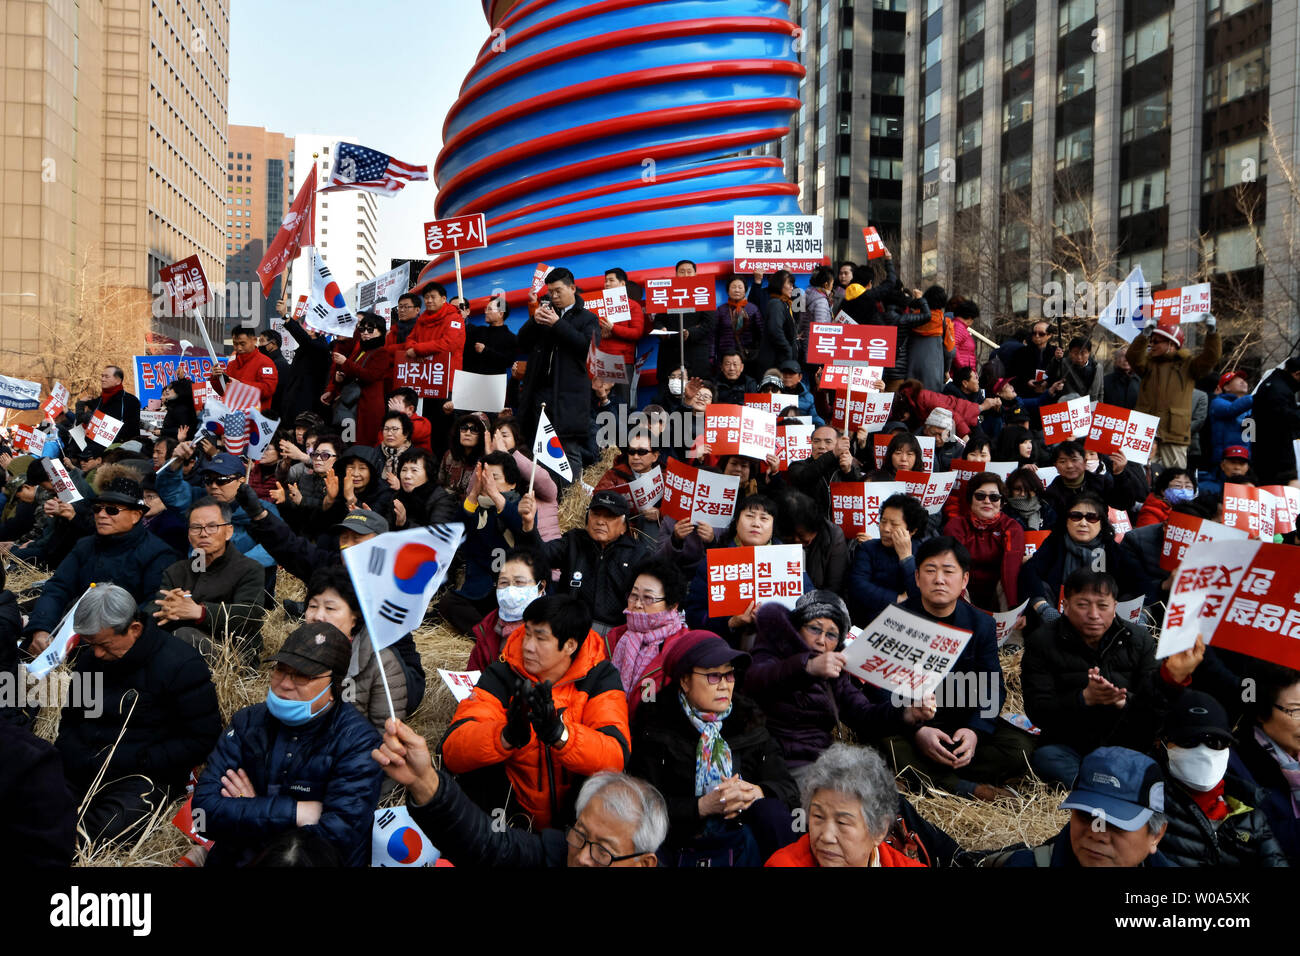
point(738, 327)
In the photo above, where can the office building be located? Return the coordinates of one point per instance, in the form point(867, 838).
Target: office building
point(259, 190)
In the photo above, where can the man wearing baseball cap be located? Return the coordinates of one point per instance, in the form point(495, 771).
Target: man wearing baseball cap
point(792, 383)
point(298, 555)
point(1213, 815)
point(1229, 408)
point(1234, 467)
point(301, 759)
point(595, 561)
point(1117, 816)
point(1169, 373)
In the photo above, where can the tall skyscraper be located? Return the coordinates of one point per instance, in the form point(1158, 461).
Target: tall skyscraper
point(259, 190)
point(112, 138)
point(345, 221)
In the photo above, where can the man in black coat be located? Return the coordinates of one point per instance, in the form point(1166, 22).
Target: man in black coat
point(147, 717)
point(1277, 422)
point(832, 460)
point(596, 561)
point(308, 374)
point(557, 339)
point(114, 401)
point(1038, 356)
point(1120, 388)
point(38, 820)
point(268, 343)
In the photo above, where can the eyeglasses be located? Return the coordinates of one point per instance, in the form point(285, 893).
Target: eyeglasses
point(221, 480)
point(1292, 712)
point(643, 600)
point(832, 634)
point(111, 510)
point(321, 455)
point(716, 678)
point(208, 528)
point(986, 496)
point(1213, 741)
point(602, 856)
point(472, 428)
point(393, 429)
point(298, 678)
point(1041, 335)
point(1089, 516)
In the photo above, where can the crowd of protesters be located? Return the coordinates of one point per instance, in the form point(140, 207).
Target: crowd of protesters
point(615, 720)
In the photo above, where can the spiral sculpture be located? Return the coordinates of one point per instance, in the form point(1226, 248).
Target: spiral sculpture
point(613, 133)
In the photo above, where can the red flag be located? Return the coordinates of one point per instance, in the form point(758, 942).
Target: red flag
point(298, 229)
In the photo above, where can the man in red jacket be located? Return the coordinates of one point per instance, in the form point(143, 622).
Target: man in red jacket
point(250, 366)
point(440, 329)
point(405, 400)
point(620, 338)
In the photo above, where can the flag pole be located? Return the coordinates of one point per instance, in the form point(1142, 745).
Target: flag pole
point(460, 292)
point(536, 464)
point(681, 322)
point(388, 694)
point(848, 411)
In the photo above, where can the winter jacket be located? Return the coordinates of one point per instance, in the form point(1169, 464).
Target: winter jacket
point(308, 373)
point(123, 406)
point(965, 416)
point(487, 645)
point(996, 552)
point(179, 495)
point(557, 373)
point(178, 412)
point(38, 818)
point(371, 369)
point(653, 672)
point(624, 336)
point(826, 557)
point(255, 369)
point(230, 589)
point(800, 853)
point(590, 699)
point(1027, 362)
point(1043, 575)
point(1168, 383)
point(965, 355)
point(134, 560)
point(1086, 381)
point(733, 393)
point(161, 692)
point(1277, 424)
point(876, 578)
point(500, 349)
point(546, 493)
point(1062, 854)
point(436, 333)
point(803, 711)
point(601, 576)
point(1121, 492)
point(1054, 672)
point(780, 334)
point(1241, 839)
point(281, 373)
point(808, 405)
point(297, 555)
point(1120, 389)
point(1200, 415)
point(368, 685)
point(813, 476)
point(726, 338)
point(1226, 415)
point(1155, 510)
point(326, 759)
point(1257, 765)
point(663, 754)
point(489, 534)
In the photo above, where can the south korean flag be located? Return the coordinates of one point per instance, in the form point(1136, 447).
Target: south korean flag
point(327, 311)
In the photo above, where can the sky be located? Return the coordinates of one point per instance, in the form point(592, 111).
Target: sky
point(383, 71)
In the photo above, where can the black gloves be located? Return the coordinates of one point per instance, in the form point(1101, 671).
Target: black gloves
point(518, 712)
point(546, 720)
point(247, 499)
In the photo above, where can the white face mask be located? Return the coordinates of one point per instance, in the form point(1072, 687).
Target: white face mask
point(512, 601)
point(1093, 464)
point(675, 386)
point(1200, 767)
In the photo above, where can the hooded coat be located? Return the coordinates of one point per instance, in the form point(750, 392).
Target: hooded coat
point(1168, 383)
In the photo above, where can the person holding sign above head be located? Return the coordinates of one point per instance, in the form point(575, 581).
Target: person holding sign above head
point(964, 748)
point(301, 387)
point(548, 713)
point(1091, 679)
point(1168, 374)
point(707, 749)
point(620, 338)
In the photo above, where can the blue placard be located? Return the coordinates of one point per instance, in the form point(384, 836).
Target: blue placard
point(154, 372)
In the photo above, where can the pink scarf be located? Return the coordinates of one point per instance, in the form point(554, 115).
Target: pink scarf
point(644, 637)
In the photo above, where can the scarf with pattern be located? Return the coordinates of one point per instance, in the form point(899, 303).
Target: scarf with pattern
point(1289, 765)
point(712, 754)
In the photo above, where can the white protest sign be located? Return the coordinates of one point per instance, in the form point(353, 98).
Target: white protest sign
point(927, 451)
point(472, 392)
point(616, 306)
point(380, 294)
point(644, 491)
point(606, 365)
point(1208, 575)
point(1130, 611)
point(793, 443)
point(905, 654)
point(460, 683)
point(715, 498)
point(103, 428)
point(771, 243)
point(1005, 621)
point(63, 641)
point(63, 485)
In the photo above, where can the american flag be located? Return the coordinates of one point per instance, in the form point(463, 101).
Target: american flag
point(241, 396)
point(236, 428)
point(359, 167)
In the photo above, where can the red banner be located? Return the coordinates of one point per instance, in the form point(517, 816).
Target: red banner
point(1064, 420)
point(875, 245)
point(855, 505)
point(1249, 509)
point(187, 284)
point(739, 576)
point(681, 294)
point(429, 377)
point(852, 344)
point(455, 235)
point(793, 443)
point(1033, 541)
point(1114, 429)
point(297, 229)
point(737, 430)
point(1182, 531)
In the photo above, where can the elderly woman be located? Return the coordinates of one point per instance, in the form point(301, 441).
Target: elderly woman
point(654, 621)
point(1082, 538)
point(851, 801)
point(737, 327)
point(798, 679)
point(995, 540)
point(361, 373)
point(902, 454)
point(466, 447)
point(394, 438)
point(419, 499)
point(1025, 502)
point(708, 752)
point(507, 436)
point(1269, 746)
point(521, 581)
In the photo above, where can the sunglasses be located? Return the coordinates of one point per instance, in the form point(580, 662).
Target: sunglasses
point(728, 676)
point(1089, 516)
point(111, 510)
point(321, 455)
point(472, 428)
point(639, 451)
point(1212, 741)
point(221, 480)
point(986, 496)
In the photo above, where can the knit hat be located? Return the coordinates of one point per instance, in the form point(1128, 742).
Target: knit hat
point(821, 603)
point(940, 417)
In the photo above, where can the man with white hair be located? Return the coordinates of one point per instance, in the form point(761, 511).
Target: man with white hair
point(621, 821)
point(147, 714)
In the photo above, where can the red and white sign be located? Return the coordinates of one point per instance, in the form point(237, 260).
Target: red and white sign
point(1066, 420)
point(1182, 531)
point(606, 365)
point(103, 428)
point(699, 495)
point(539, 277)
point(1286, 503)
point(852, 344)
point(1005, 621)
point(772, 402)
point(455, 235)
point(931, 490)
point(740, 576)
point(1121, 429)
point(1120, 522)
point(966, 470)
point(905, 654)
point(26, 438)
point(1033, 541)
point(793, 443)
point(429, 376)
point(852, 378)
point(875, 245)
point(867, 411)
point(300, 308)
point(460, 683)
point(612, 306)
point(644, 491)
point(771, 243)
point(855, 505)
point(1249, 509)
point(737, 430)
point(184, 821)
point(57, 403)
point(683, 294)
point(1241, 596)
point(1191, 303)
point(62, 481)
point(187, 284)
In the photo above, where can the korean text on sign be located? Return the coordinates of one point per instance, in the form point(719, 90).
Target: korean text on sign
point(1120, 429)
point(187, 284)
point(770, 243)
point(739, 576)
point(682, 294)
point(835, 343)
point(428, 376)
point(906, 654)
point(455, 235)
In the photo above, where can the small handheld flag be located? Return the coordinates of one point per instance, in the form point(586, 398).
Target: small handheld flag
point(547, 449)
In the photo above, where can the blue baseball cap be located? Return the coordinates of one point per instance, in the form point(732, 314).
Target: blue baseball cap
point(223, 463)
point(1121, 786)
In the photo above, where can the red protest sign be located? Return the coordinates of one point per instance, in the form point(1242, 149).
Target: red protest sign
point(1033, 541)
point(865, 410)
point(875, 245)
point(1120, 523)
point(455, 235)
point(682, 294)
point(698, 495)
point(539, 277)
point(737, 430)
point(793, 443)
point(852, 344)
point(931, 490)
point(187, 284)
point(429, 377)
point(25, 438)
point(773, 402)
point(1182, 531)
point(966, 470)
point(1286, 501)
point(1064, 420)
point(1120, 429)
point(1249, 509)
point(679, 490)
point(300, 308)
point(1167, 306)
point(855, 505)
point(738, 576)
point(852, 378)
point(57, 403)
